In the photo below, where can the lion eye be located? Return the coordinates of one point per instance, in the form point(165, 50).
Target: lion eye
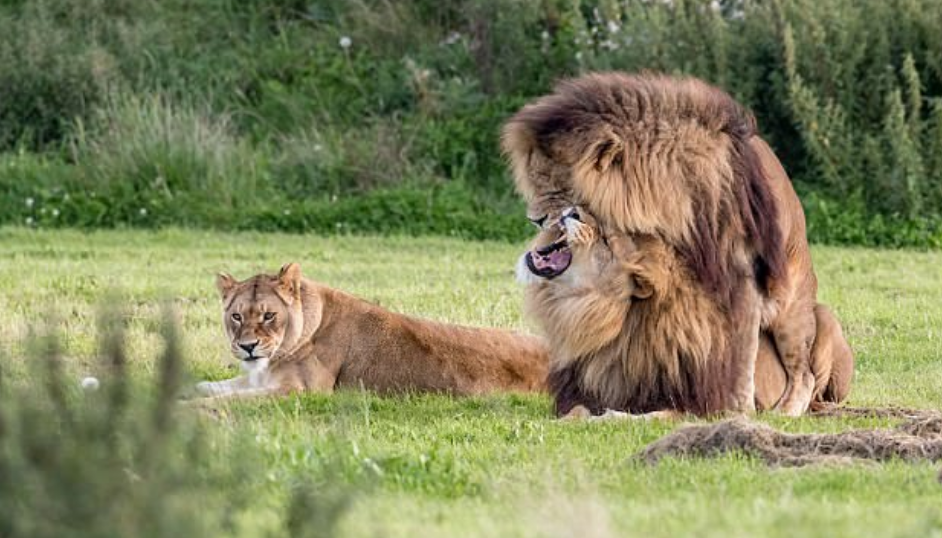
point(237, 317)
point(268, 316)
point(538, 222)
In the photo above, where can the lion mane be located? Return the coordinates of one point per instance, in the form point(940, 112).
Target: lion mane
point(676, 161)
point(658, 155)
point(676, 330)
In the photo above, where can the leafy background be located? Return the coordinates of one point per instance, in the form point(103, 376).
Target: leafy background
point(383, 117)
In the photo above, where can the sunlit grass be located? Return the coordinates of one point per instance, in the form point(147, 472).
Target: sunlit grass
point(495, 466)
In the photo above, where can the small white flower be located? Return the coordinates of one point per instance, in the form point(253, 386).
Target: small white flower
point(345, 42)
point(613, 27)
point(90, 383)
point(318, 147)
point(452, 38)
point(143, 211)
point(55, 212)
point(545, 35)
point(30, 202)
point(333, 198)
point(287, 212)
point(579, 56)
point(29, 221)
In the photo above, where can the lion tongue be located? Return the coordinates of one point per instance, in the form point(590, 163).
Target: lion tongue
point(552, 264)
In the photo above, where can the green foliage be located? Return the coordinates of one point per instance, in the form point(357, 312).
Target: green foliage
point(193, 111)
point(122, 460)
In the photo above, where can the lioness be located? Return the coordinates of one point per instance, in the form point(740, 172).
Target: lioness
point(584, 276)
point(294, 334)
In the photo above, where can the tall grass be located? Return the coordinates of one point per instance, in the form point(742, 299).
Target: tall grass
point(146, 154)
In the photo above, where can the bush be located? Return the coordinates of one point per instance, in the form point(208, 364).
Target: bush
point(123, 460)
point(295, 102)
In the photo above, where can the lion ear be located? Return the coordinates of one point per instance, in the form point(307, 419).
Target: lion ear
point(606, 153)
point(289, 280)
point(225, 283)
point(643, 287)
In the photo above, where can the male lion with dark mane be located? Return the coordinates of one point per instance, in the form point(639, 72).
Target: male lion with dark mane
point(676, 165)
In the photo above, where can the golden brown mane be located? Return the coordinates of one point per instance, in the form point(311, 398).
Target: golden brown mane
point(656, 155)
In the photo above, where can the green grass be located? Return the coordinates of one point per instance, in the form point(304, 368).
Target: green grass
point(497, 466)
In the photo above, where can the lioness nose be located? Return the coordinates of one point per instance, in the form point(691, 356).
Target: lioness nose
point(249, 346)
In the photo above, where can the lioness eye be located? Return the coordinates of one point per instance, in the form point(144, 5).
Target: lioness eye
point(268, 316)
point(237, 317)
point(538, 222)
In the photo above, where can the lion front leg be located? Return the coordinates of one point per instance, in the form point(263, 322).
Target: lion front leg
point(221, 388)
point(744, 342)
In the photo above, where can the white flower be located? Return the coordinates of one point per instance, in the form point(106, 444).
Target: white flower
point(30, 202)
point(318, 147)
point(143, 211)
point(545, 35)
point(29, 221)
point(579, 56)
point(452, 38)
point(55, 212)
point(613, 27)
point(287, 212)
point(345, 42)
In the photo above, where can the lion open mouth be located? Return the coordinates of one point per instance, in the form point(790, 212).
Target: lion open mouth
point(550, 261)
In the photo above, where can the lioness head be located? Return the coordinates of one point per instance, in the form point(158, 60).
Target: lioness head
point(262, 314)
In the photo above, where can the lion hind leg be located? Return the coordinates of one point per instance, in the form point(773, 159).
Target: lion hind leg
point(832, 360)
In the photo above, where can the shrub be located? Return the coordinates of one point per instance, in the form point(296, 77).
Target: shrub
point(124, 460)
point(300, 101)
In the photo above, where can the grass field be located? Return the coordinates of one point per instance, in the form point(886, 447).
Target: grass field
point(497, 466)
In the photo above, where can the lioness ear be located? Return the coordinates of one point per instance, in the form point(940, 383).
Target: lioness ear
point(289, 278)
point(225, 283)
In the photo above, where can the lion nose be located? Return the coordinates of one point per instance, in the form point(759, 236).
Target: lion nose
point(249, 346)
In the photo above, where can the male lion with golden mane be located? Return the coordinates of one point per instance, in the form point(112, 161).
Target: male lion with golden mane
point(293, 334)
point(638, 300)
point(677, 161)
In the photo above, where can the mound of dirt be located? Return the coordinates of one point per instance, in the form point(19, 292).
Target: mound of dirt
point(919, 438)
